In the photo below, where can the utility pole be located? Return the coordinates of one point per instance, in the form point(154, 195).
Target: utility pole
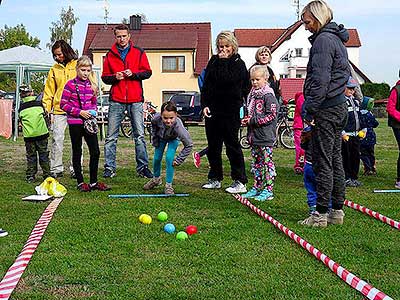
point(296, 4)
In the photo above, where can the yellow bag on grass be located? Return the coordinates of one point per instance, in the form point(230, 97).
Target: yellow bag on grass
point(51, 187)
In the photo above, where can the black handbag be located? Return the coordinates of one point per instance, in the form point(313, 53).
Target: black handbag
point(90, 125)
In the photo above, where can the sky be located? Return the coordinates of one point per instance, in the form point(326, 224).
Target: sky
point(375, 21)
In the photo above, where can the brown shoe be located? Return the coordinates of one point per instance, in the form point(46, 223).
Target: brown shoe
point(152, 183)
point(315, 220)
point(335, 217)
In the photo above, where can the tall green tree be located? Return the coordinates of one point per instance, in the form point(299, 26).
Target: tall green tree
point(62, 29)
point(16, 36)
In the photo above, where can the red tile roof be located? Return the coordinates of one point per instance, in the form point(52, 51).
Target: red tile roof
point(257, 37)
point(157, 36)
point(289, 87)
point(273, 38)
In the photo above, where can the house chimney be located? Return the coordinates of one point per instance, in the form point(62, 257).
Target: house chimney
point(135, 22)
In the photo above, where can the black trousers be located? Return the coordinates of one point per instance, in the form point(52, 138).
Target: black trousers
point(225, 130)
point(33, 150)
point(351, 157)
point(367, 155)
point(327, 156)
point(396, 132)
point(76, 133)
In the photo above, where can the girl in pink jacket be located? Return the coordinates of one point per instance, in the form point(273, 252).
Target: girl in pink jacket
point(297, 128)
point(393, 110)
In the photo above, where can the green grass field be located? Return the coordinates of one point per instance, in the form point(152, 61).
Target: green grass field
point(95, 247)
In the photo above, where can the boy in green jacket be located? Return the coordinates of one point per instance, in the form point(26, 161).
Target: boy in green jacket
point(35, 131)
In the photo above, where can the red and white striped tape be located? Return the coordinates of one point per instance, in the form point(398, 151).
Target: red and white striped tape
point(373, 214)
point(360, 285)
point(14, 273)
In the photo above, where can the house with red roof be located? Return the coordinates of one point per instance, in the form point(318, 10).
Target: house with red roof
point(290, 49)
point(177, 53)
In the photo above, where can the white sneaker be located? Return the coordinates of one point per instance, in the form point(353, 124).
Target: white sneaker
point(212, 184)
point(3, 233)
point(236, 188)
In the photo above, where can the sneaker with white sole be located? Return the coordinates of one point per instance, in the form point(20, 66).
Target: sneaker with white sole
point(335, 217)
point(316, 220)
point(252, 193)
point(236, 188)
point(265, 195)
point(212, 184)
point(3, 233)
point(196, 159)
point(397, 185)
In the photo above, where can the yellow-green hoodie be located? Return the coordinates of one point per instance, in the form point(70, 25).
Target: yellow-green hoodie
point(56, 80)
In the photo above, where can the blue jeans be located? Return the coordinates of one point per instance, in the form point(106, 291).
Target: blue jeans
point(116, 114)
point(169, 159)
point(310, 185)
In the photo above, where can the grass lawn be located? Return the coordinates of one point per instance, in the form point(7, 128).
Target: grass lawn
point(95, 247)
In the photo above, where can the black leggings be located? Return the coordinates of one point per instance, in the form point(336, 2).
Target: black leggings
point(396, 132)
point(76, 133)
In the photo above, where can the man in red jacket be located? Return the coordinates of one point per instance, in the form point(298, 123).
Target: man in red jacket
point(124, 68)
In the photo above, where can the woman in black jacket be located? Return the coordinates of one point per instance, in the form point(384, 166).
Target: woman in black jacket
point(325, 108)
point(226, 84)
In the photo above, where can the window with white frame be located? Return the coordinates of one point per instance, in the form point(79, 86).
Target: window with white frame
point(173, 64)
point(299, 52)
point(284, 76)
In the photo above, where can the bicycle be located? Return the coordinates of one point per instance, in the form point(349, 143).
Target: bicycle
point(148, 114)
point(284, 131)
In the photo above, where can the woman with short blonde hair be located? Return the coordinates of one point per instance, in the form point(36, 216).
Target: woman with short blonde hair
point(230, 38)
point(320, 11)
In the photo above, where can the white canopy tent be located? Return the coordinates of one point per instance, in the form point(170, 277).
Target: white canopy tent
point(23, 60)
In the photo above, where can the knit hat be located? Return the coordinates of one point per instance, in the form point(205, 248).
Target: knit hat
point(351, 83)
point(367, 103)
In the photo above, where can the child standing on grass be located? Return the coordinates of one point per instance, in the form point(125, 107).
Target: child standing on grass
point(297, 128)
point(168, 129)
point(79, 102)
point(367, 146)
point(261, 122)
point(36, 133)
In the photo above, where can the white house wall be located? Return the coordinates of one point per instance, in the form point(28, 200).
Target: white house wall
point(299, 39)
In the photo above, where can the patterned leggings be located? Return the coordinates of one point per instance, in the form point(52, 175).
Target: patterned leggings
point(263, 167)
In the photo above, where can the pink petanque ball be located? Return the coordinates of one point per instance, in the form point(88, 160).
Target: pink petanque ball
point(191, 229)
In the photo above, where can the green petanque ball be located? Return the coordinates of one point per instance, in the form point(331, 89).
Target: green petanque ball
point(162, 216)
point(181, 236)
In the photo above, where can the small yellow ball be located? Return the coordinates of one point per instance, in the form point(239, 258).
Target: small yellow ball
point(146, 219)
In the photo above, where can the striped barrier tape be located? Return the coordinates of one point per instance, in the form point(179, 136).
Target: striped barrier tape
point(360, 285)
point(14, 273)
point(374, 214)
point(147, 195)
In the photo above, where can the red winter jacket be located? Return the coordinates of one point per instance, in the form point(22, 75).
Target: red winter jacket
point(129, 89)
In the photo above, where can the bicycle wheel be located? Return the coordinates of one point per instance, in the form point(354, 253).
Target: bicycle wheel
point(126, 129)
point(244, 143)
point(286, 138)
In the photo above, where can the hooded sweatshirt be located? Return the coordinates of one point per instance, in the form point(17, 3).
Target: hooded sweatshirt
point(327, 69)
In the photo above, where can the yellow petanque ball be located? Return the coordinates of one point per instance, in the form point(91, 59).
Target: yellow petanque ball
point(146, 219)
point(141, 217)
point(361, 134)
